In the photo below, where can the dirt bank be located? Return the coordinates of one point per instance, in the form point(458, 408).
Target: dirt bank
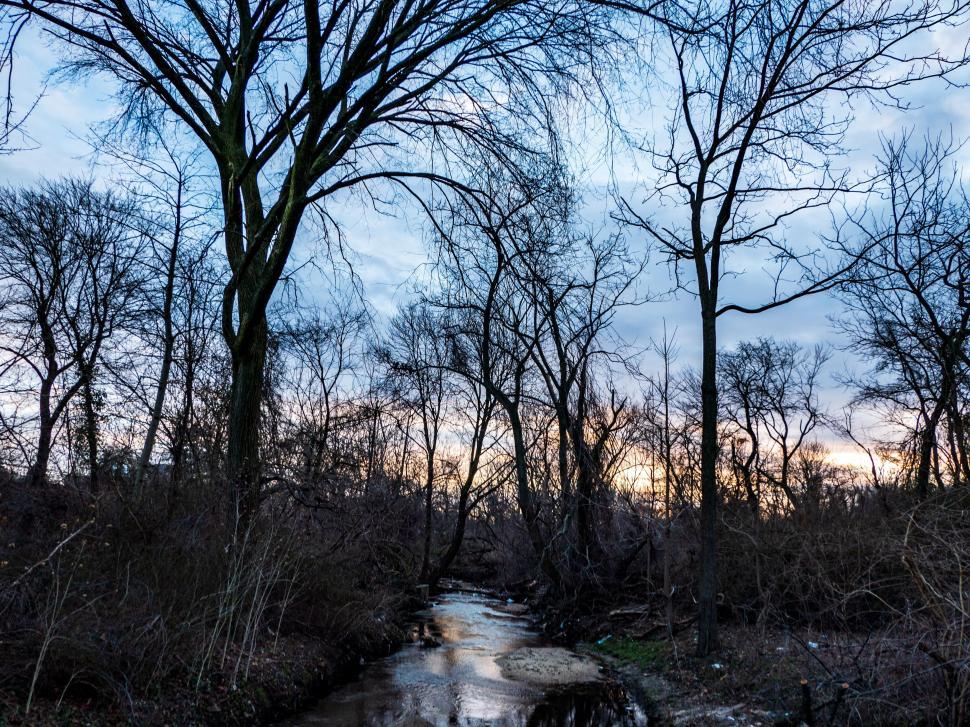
point(283, 680)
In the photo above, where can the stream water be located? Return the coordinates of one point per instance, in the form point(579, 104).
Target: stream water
point(460, 683)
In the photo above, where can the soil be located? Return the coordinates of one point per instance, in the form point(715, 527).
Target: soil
point(764, 676)
point(759, 676)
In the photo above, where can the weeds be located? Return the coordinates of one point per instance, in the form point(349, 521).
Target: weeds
point(642, 653)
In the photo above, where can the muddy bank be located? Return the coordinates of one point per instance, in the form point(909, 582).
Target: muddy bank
point(750, 682)
point(763, 675)
point(289, 682)
point(283, 680)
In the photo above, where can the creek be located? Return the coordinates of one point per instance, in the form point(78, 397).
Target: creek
point(461, 680)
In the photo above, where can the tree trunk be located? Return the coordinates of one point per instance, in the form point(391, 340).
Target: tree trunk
point(584, 474)
point(91, 431)
point(960, 437)
point(668, 515)
point(155, 420)
point(45, 438)
point(177, 453)
point(38, 472)
point(244, 417)
point(927, 445)
point(584, 489)
point(961, 460)
point(584, 508)
point(563, 447)
point(457, 537)
point(184, 423)
point(156, 414)
point(526, 499)
point(428, 517)
point(707, 584)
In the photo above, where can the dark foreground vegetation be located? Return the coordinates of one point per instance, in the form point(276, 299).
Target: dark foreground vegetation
point(227, 476)
point(113, 613)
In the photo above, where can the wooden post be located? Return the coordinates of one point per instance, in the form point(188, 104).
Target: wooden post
point(808, 714)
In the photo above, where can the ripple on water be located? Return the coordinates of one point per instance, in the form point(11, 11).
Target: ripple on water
point(461, 682)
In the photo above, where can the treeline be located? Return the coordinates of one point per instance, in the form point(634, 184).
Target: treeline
point(209, 451)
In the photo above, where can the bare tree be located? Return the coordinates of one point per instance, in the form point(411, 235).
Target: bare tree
point(759, 105)
point(662, 443)
point(575, 303)
point(769, 393)
point(531, 302)
point(415, 354)
point(67, 261)
point(175, 212)
point(910, 311)
point(298, 101)
point(194, 435)
point(323, 348)
point(480, 478)
point(490, 321)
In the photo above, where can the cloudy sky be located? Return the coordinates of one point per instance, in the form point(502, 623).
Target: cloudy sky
point(387, 250)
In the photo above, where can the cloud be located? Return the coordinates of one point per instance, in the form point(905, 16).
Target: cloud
point(386, 250)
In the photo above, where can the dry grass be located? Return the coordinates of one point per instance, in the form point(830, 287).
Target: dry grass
point(108, 604)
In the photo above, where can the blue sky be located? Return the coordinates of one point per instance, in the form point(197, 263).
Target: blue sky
point(388, 250)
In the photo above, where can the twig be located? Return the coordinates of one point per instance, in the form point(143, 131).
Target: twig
point(50, 555)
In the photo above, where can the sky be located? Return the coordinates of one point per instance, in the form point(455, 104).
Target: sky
point(387, 250)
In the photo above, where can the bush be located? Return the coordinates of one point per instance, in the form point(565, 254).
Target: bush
point(110, 601)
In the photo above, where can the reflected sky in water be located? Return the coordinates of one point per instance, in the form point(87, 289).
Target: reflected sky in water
point(460, 683)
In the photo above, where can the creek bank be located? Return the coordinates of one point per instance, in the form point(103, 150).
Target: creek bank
point(750, 682)
point(285, 678)
point(761, 675)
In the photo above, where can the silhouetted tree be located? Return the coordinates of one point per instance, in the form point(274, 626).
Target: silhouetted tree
point(909, 311)
point(760, 105)
point(68, 266)
point(769, 392)
point(364, 79)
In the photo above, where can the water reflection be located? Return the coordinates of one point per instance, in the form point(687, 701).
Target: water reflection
point(459, 682)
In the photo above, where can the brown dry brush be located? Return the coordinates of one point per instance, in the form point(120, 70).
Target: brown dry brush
point(878, 578)
point(107, 611)
point(883, 579)
point(936, 555)
point(104, 601)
